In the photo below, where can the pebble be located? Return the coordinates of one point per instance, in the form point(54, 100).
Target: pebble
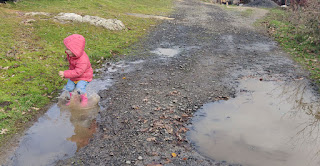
point(140, 158)
point(128, 162)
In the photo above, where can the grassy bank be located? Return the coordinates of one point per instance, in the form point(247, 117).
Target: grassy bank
point(32, 53)
point(297, 39)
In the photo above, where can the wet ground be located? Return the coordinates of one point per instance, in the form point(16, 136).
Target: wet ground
point(199, 57)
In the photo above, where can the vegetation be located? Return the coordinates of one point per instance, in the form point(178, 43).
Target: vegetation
point(32, 52)
point(297, 30)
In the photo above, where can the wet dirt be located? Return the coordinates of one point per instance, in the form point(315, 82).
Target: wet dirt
point(267, 123)
point(146, 111)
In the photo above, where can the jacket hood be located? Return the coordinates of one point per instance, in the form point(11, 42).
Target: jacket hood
point(75, 43)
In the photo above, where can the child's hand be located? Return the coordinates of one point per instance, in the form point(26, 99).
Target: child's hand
point(61, 74)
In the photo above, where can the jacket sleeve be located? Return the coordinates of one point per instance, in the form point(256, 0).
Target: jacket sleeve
point(77, 72)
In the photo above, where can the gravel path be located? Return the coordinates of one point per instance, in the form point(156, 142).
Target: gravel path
point(204, 51)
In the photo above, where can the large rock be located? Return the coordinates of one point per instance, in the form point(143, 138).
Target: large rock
point(69, 17)
point(111, 24)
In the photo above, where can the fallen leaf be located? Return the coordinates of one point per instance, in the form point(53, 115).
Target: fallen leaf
point(183, 130)
point(173, 155)
point(184, 159)
point(3, 131)
point(185, 115)
point(154, 164)
point(169, 129)
point(151, 139)
point(123, 77)
point(35, 108)
point(144, 130)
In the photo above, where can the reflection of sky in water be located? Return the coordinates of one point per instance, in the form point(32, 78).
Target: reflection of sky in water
point(168, 52)
point(46, 140)
point(260, 126)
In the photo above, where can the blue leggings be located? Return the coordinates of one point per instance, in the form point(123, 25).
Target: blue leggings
point(80, 87)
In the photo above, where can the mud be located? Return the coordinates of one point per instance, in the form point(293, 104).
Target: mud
point(147, 109)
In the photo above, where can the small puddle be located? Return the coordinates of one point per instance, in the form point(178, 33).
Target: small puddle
point(63, 130)
point(268, 123)
point(167, 52)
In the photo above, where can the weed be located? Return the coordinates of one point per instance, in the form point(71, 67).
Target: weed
point(297, 39)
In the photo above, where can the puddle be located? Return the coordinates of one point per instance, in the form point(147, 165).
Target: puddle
point(167, 52)
point(57, 135)
point(268, 123)
point(63, 130)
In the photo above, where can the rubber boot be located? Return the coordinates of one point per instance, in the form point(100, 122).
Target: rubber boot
point(68, 103)
point(84, 100)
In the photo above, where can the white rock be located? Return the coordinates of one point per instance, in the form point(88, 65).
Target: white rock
point(140, 158)
point(69, 17)
point(128, 162)
point(111, 24)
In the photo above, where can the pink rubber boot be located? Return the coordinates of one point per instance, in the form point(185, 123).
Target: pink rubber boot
point(68, 103)
point(84, 100)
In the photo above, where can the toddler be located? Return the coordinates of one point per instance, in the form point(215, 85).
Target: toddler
point(80, 72)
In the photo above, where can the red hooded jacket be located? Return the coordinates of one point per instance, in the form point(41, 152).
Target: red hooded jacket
point(79, 66)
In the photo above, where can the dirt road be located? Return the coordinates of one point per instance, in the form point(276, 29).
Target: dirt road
point(182, 64)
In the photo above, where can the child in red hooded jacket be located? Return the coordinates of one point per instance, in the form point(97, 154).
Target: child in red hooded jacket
point(80, 72)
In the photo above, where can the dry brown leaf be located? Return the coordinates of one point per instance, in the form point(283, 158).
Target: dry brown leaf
point(169, 129)
point(151, 139)
point(3, 131)
point(183, 130)
point(144, 130)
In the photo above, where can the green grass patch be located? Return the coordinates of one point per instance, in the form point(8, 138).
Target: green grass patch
point(295, 40)
point(247, 13)
point(31, 54)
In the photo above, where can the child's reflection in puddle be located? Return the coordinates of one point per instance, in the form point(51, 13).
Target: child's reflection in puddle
point(83, 120)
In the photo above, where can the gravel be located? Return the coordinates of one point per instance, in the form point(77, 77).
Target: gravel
point(145, 116)
point(262, 3)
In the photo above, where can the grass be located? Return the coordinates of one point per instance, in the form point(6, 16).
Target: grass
point(246, 13)
point(295, 40)
point(31, 54)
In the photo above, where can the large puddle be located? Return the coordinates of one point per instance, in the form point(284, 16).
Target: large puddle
point(269, 123)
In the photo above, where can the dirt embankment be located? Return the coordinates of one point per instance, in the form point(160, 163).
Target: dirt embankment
point(203, 54)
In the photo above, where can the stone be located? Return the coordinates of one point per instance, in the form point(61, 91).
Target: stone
point(111, 24)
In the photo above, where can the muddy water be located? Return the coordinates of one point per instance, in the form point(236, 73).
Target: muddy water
point(167, 52)
point(63, 130)
point(268, 123)
point(56, 135)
